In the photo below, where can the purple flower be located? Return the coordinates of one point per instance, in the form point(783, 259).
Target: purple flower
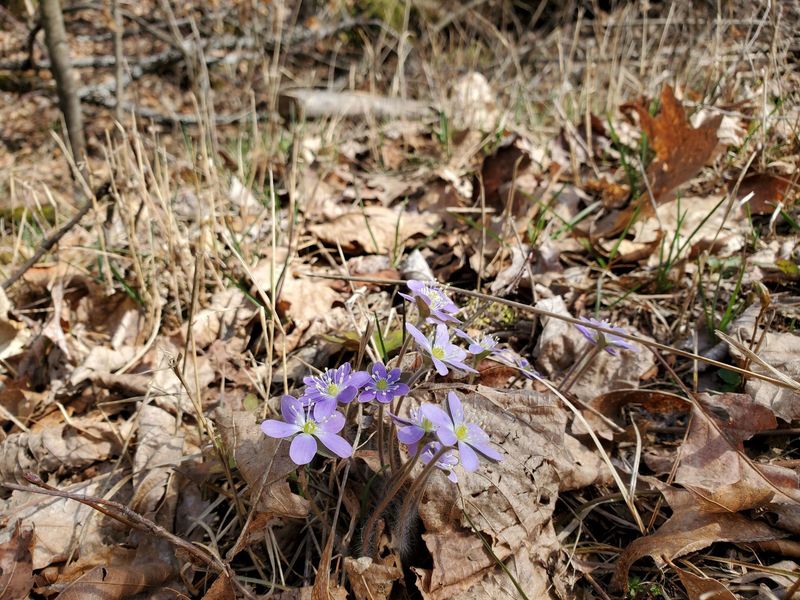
point(305, 427)
point(334, 385)
point(430, 297)
point(413, 429)
point(384, 386)
point(446, 461)
point(607, 341)
point(452, 430)
point(485, 343)
point(441, 351)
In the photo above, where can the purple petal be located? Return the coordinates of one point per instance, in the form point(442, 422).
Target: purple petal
point(461, 365)
point(324, 408)
point(379, 369)
point(279, 429)
point(332, 424)
point(401, 389)
point(335, 443)
point(442, 337)
point(469, 460)
point(367, 396)
point(463, 335)
point(418, 337)
point(359, 379)
point(436, 415)
point(347, 394)
point(441, 368)
point(454, 406)
point(410, 434)
point(292, 410)
point(476, 348)
point(415, 285)
point(303, 449)
point(452, 476)
point(394, 374)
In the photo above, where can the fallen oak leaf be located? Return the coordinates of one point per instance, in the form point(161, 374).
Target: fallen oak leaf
point(690, 528)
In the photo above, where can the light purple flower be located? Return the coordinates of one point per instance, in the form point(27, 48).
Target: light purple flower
point(452, 430)
point(441, 351)
point(485, 343)
point(384, 385)
point(607, 341)
point(300, 424)
point(446, 461)
point(332, 386)
point(413, 429)
point(431, 295)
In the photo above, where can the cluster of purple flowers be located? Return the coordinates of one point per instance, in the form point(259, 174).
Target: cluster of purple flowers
point(430, 433)
point(314, 414)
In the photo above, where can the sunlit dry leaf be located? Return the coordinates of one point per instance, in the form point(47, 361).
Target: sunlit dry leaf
point(510, 503)
point(681, 152)
point(780, 350)
point(375, 229)
point(13, 334)
point(159, 449)
point(16, 566)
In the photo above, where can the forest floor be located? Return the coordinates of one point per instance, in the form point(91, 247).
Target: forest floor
point(263, 179)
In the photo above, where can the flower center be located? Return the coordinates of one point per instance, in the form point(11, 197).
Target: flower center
point(461, 432)
point(309, 427)
point(332, 389)
point(437, 352)
point(382, 385)
point(426, 425)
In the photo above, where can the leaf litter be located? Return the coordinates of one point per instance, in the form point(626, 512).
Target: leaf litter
point(140, 357)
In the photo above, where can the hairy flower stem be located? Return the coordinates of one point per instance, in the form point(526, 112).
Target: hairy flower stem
point(399, 480)
point(379, 425)
point(417, 488)
point(396, 410)
point(579, 368)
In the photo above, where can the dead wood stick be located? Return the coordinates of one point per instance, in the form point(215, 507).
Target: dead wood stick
point(131, 518)
point(53, 239)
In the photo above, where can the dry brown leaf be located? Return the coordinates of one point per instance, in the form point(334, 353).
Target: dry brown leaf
point(780, 350)
point(159, 449)
point(221, 589)
point(13, 334)
point(375, 229)
point(58, 523)
point(16, 565)
point(610, 404)
point(70, 446)
point(681, 152)
point(768, 192)
point(561, 344)
point(370, 580)
point(702, 588)
point(510, 503)
point(261, 459)
point(687, 530)
point(117, 582)
point(713, 465)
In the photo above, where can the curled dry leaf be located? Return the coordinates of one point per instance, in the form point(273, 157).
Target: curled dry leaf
point(510, 503)
point(690, 528)
point(16, 565)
